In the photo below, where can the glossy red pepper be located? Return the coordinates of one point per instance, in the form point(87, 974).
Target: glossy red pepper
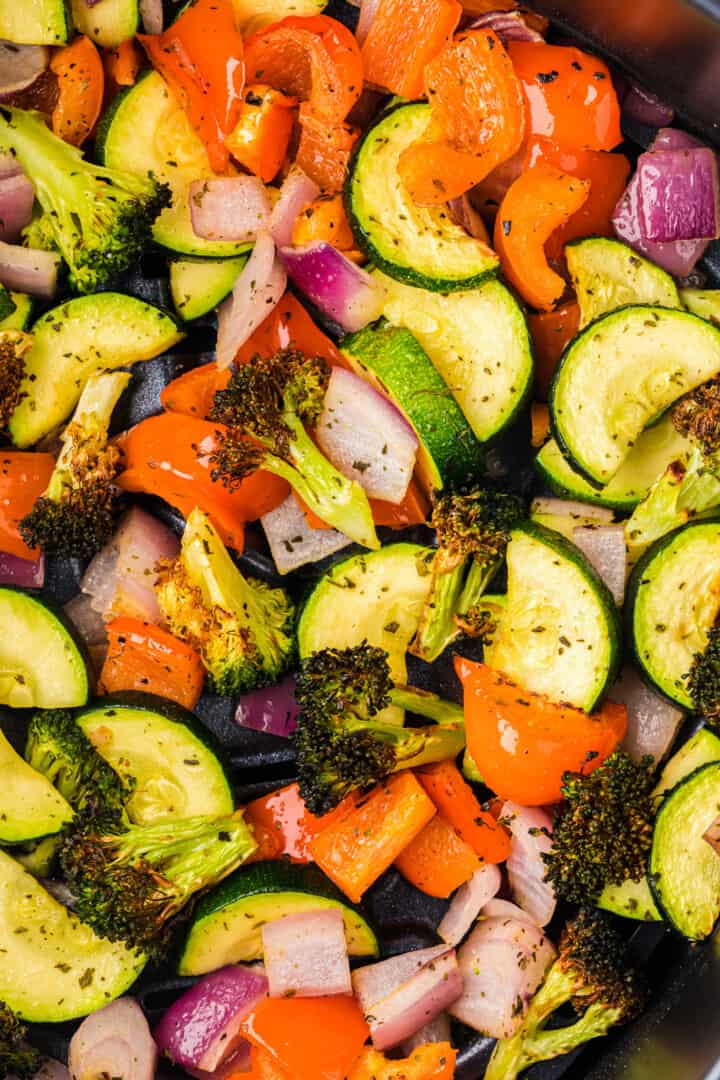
point(24, 477)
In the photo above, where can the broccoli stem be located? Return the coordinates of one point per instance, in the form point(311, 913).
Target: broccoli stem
point(479, 576)
point(340, 502)
point(438, 628)
point(428, 705)
point(512, 1056)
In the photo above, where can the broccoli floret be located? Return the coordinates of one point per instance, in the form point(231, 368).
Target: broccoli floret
point(603, 830)
point(14, 344)
point(99, 219)
point(129, 884)
point(58, 748)
point(697, 417)
point(340, 743)
point(703, 678)
point(242, 628)
point(473, 528)
point(75, 515)
point(591, 974)
point(16, 1057)
point(265, 408)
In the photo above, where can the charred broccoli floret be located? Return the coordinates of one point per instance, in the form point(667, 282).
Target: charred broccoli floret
point(697, 417)
point(703, 678)
point(603, 830)
point(75, 515)
point(58, 748)
point(340, 741)
point(16, 1057)
point(128, 884)
point(590, 973)
point(99, 219)
point(265, 408)
point(242, 628)
point(14, 344)
point(473, 528)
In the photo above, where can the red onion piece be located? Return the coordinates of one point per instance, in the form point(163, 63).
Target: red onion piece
point(668, 138)
point(604, 548)
point(115, 1041)
point(151, 13)
point(229, 208)
point(20, 66)
point(9, 165)
point(201, 1029)
point(296, 192)
point(531, 838)
point(336, 285)
point(366, 438)
point(29, 270)
point(505, 909)
point(23, 573)
point(436, 1030)
point(678, 195)
point(273, 710)
point(644, 107)
point(401, 994)
point(468, 902)
point(17, 196)
point(306, 954)
point(292, 542)
point(508, 25)
point(121, 578)
point(368, 10)
point(464, 214)
point(653, 722)
point(258, 289)
point(569, 508)
point(502, 963)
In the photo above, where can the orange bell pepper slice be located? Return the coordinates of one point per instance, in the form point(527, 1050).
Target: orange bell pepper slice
point(454, 798)
point(259, 140)
point(413, 510)
point(433, 1061)
point(263, 1066)
point(325, 219)
point(523, 743)
point(551, 332)
point(24, 477)
point(200, 56)
point(404, 36)
point(283, 814)
point(324, 150)
point(145, 657)
point(608, 175)
point(123, 63)
point(437, 861)
point(309, 1038)
point(478, 119)
point(169, 455)
point(356, 850)
point(193, 392)
point(569, 94)
point(81, 85)
point(537, 203)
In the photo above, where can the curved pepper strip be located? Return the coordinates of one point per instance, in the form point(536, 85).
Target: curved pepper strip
point(81, 85)
point(403, 37)
point(478, 119)
point(540, 201)
point(200, 56)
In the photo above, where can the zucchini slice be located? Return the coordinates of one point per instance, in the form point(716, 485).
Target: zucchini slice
point(146, 130)
point(21, 315)
point(703, 302)
point(7, 306)
point(173, 761)
point(41, 663)
point(416, 244)
point(228, 921)
point(559, 634)
point(74, 341)
point(655, 448)
point(30, 807)
point(54, 968)
point(199, 285)
point(619, 374)
point(478, 341)
point(632, 900)
point(608, 275)
point(673, 600)
point(35, 22)
point(378, 597)
point(395, 363)
point(109, 23)
point(684, 870)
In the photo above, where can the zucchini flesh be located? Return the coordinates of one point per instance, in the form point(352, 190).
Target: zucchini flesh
point(684, 870)
point(477, 340)
point(199, 285)
point(703, 302)
point(619, 374)
point(559, 633)
point(35, 22)
point(30, 807)
point(109, 23)
point(416, 244)
point(608, 275)
point(673, 601)
point(21, 315)
point(41, 665)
